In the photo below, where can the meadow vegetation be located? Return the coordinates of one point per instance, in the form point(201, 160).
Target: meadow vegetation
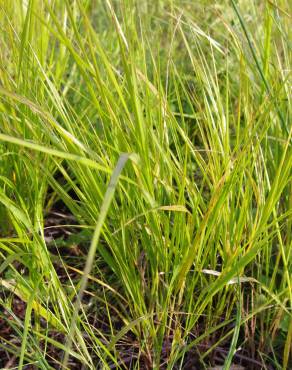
point(145, 184)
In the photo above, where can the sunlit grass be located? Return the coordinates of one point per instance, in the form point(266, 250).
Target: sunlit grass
point(188, 247)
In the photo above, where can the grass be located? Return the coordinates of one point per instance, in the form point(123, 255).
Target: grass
point(145, 197)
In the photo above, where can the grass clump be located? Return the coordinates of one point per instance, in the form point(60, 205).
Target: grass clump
point(145, 198)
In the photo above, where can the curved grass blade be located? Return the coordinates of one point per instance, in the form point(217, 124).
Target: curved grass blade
point(92, 250)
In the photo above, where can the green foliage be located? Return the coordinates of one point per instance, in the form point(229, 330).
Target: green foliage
point(188, 246)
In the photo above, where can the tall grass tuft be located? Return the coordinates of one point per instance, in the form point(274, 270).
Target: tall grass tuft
point(159, 133)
